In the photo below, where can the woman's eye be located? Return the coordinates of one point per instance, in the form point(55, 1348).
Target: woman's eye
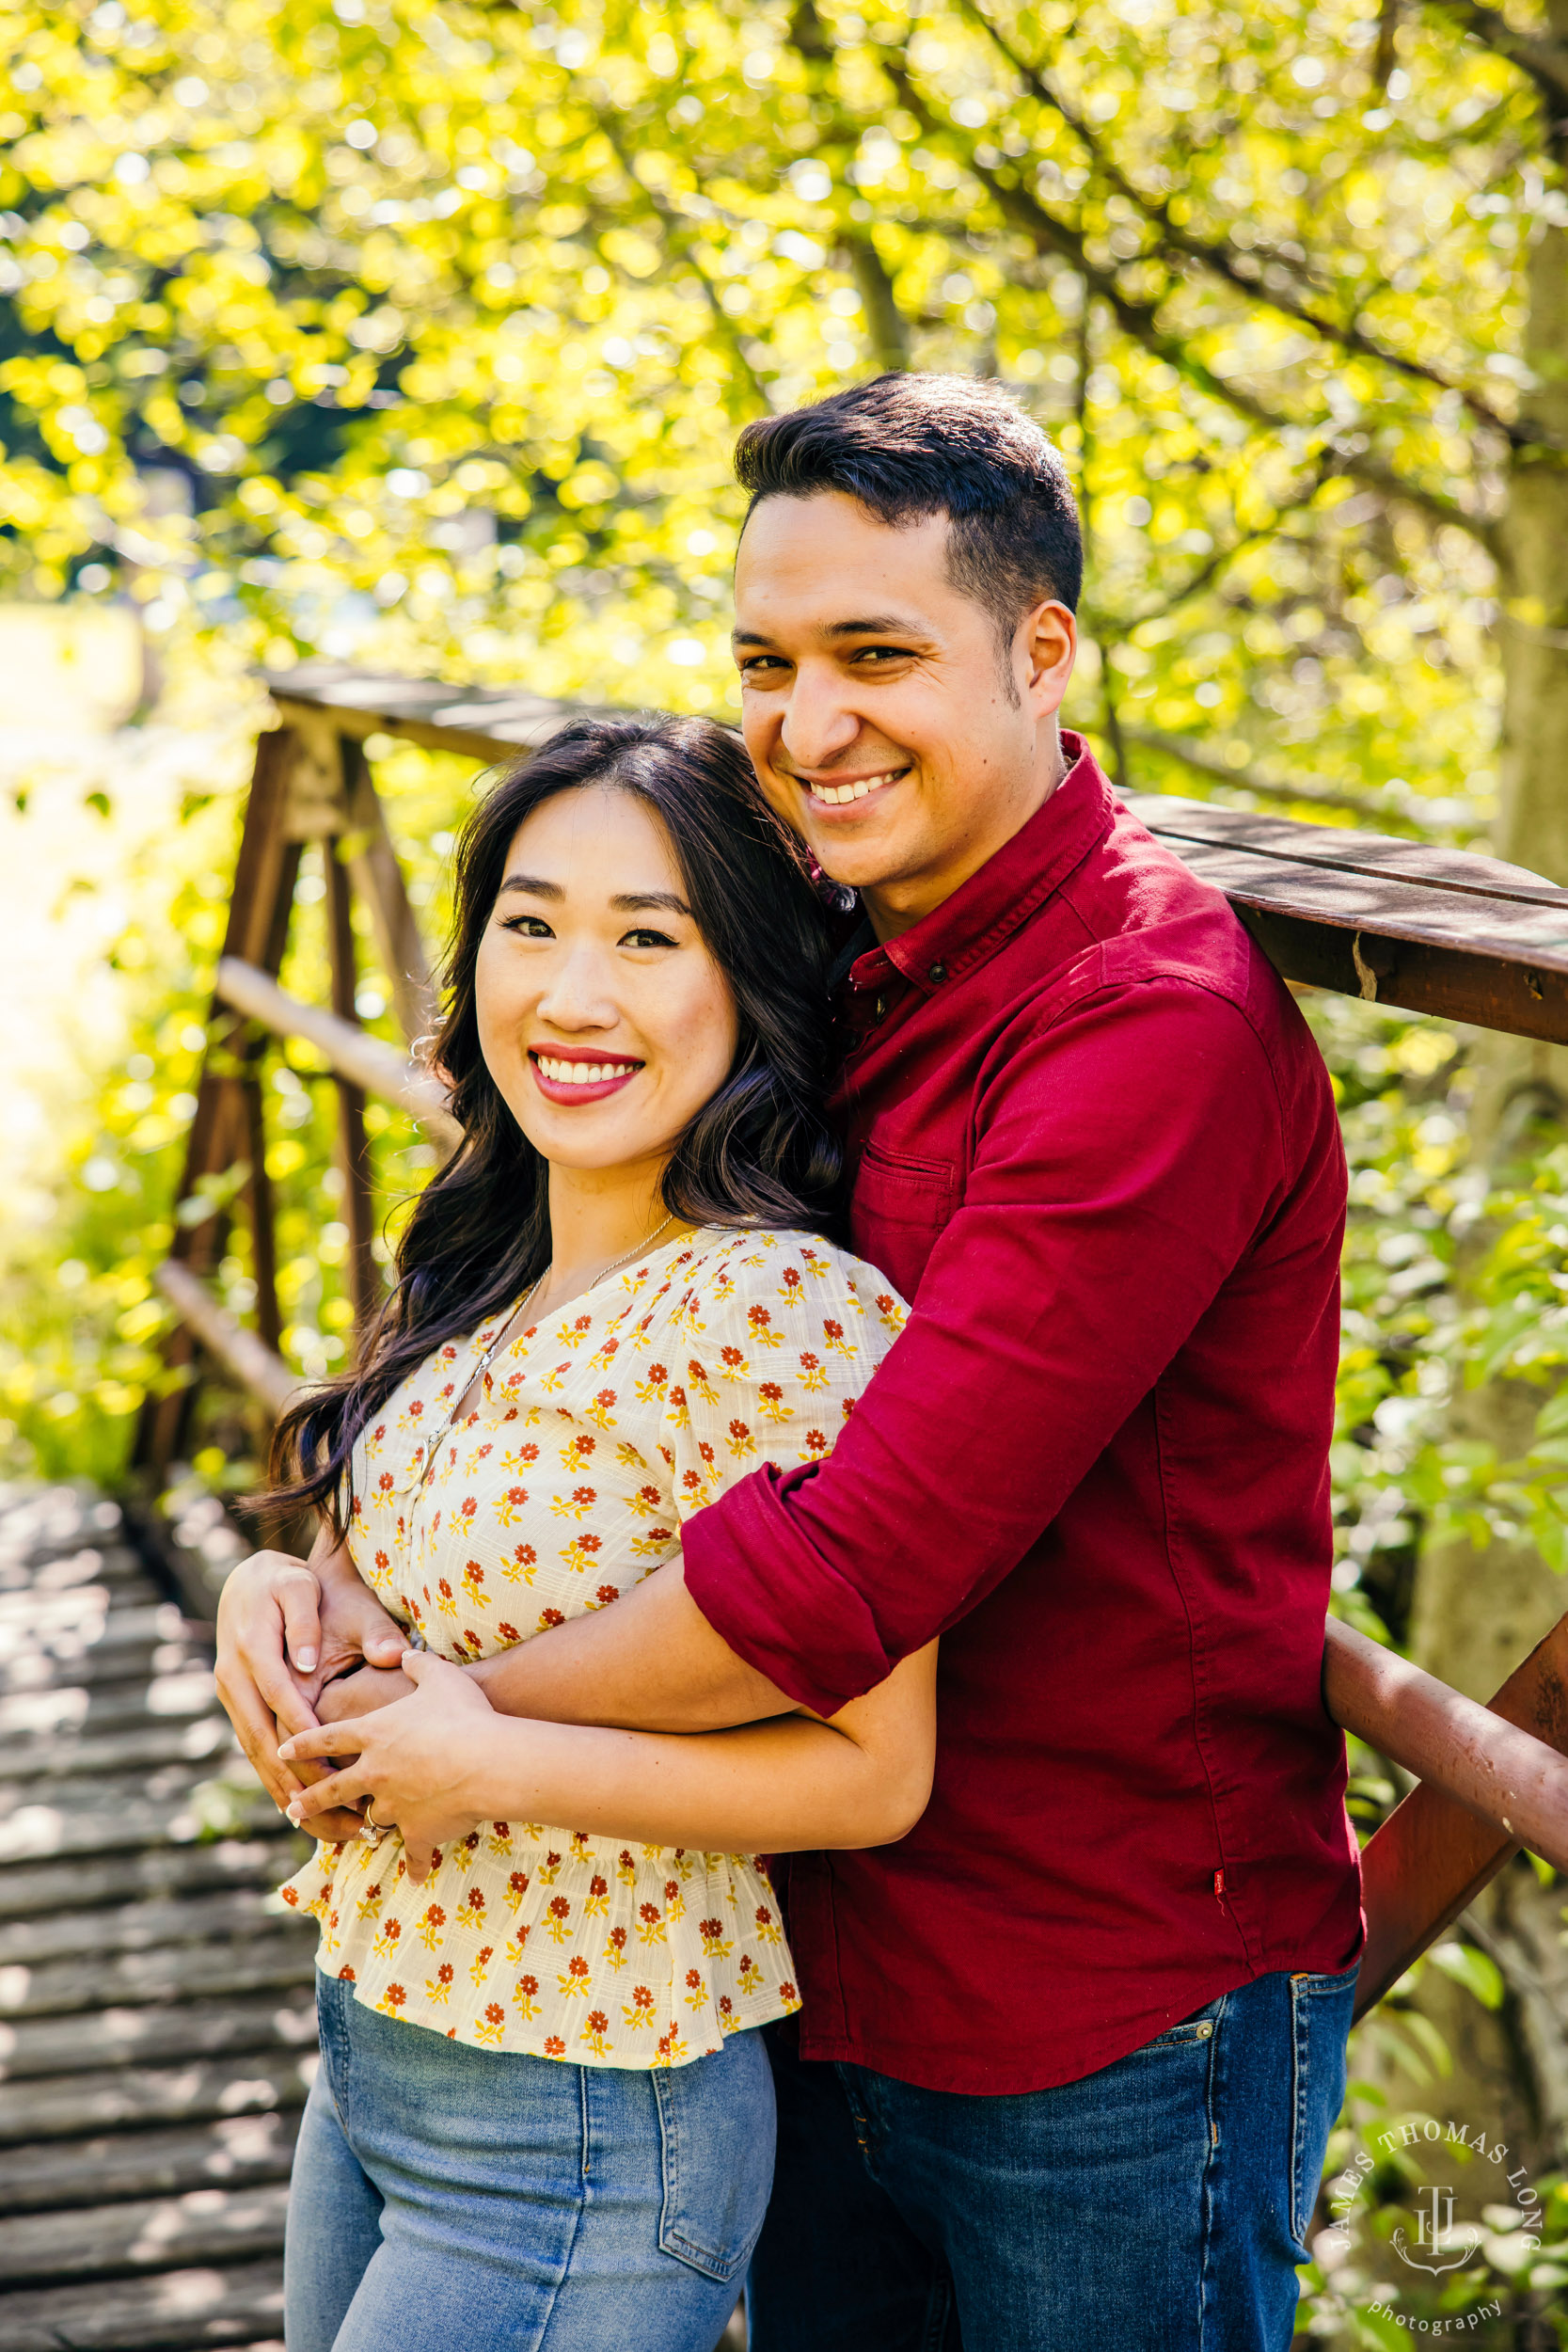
point(647, 939)
point(528, 927)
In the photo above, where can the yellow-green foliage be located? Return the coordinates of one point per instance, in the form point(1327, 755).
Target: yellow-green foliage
point(365, 274)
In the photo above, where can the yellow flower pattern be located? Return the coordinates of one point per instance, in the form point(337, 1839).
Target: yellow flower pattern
point(598, 1431)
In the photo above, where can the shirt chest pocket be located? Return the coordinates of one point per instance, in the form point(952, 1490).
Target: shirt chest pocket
point(899, 1207)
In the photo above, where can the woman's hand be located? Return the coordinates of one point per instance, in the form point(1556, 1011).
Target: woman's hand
point(415, 1759)
point(284, 1624)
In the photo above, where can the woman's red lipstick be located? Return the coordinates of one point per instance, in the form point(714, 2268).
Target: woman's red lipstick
point(621, 1067)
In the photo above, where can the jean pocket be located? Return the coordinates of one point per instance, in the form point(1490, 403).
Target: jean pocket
point(716, 2125)
point(1321, 2009)
point(1200, 2027)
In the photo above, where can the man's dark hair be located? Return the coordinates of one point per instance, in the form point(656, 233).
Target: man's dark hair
point(909, 446)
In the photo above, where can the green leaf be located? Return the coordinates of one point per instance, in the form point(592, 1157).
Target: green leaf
point(1475, 1970)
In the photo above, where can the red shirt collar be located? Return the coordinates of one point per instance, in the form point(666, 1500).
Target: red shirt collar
point(969, 928)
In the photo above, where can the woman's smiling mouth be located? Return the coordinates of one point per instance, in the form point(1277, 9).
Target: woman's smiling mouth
point(581, 1076)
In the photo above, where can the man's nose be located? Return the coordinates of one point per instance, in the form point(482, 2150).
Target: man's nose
point(818, 724)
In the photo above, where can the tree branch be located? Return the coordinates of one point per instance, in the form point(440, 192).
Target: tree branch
point(1204, 762)
point(888, 327)
point(1210, 571)
point(680, 240)
point(1378, 476)
point(1546, 61)
point(1140, 321)
point(1385, 55)
point(1225, 262)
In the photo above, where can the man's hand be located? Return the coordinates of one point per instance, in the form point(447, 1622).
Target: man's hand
point(340, 1702)
point(361, 1693)
point(284, 1624)
point(409, 1759)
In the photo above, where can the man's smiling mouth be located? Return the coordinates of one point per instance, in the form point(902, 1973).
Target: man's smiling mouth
point(830, 795)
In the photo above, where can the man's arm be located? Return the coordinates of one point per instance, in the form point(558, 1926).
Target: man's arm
point(662, 1668)
point(442, 1758)
point(1128, 1159)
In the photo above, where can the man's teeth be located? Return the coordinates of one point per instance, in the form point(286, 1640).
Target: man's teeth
point(583, 1074)
point(834, 793)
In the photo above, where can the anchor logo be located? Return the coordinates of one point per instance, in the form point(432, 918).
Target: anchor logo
point(1435, 2235)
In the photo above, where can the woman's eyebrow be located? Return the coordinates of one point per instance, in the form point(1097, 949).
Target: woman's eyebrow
point(641, 902)
point(533, 884)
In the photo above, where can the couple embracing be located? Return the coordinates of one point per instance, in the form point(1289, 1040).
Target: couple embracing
point(822, 1566)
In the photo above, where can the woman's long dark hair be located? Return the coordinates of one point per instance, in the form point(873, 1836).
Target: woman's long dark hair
point(758, 1152)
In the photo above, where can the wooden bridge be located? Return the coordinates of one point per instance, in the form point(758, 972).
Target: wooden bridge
point(157, 2020)
point(156, 2030)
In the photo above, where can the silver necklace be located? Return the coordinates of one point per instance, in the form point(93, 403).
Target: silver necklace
point(644, 1244)
point(477, 1375)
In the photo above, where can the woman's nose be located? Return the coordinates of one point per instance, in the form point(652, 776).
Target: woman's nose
point(576, 995)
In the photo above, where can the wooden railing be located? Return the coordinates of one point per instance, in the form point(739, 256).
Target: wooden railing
point(1432, 930)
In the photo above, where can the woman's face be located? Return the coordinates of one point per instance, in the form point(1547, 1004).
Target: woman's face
point(603, 1018)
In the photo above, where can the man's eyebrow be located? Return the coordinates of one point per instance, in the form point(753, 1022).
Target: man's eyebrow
point(534, 884)
point(642, 901)
point(875, 625)
point(872, 625)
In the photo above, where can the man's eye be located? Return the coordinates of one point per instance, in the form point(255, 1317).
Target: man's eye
point(874, 655)
point(528, 927)
point(759, 668)
point(647, 939)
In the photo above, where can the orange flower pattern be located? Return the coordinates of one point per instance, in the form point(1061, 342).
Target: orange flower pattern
point(712, 1355)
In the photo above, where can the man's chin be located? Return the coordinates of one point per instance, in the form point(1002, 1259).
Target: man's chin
point(855, 865)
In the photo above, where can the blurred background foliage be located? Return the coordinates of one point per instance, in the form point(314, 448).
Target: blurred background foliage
point(417, 337)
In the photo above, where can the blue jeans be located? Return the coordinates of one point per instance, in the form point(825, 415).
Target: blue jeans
point(1159, 2205)
point(444, 2195)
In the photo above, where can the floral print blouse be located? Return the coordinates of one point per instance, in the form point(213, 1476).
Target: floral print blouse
point(597, 1431)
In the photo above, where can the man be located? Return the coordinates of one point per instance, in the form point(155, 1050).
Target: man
point(1070, 2053)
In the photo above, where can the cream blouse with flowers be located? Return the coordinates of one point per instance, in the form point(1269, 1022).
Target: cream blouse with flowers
point(597, 1432)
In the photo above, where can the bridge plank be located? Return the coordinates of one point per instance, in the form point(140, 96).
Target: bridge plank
point(158, 2036)
point(157, 2012)
point(139, 1926)
point(175, 2311)
point(231, 2153)
point(188, 1970)
point(146, 2234)
point(135, 2099)
point(178, 1739)
point(156, 1871)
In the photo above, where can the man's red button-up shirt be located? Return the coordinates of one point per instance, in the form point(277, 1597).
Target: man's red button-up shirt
point(1095, 1146)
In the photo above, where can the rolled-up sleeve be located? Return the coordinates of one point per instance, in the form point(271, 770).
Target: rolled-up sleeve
point(1125, 1157)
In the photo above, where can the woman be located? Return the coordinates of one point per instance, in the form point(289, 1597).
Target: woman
point(544, 2117)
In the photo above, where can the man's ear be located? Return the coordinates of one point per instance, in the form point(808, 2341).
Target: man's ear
point(1047, 647)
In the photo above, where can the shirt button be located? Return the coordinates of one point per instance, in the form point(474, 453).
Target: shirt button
point(937, 972)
